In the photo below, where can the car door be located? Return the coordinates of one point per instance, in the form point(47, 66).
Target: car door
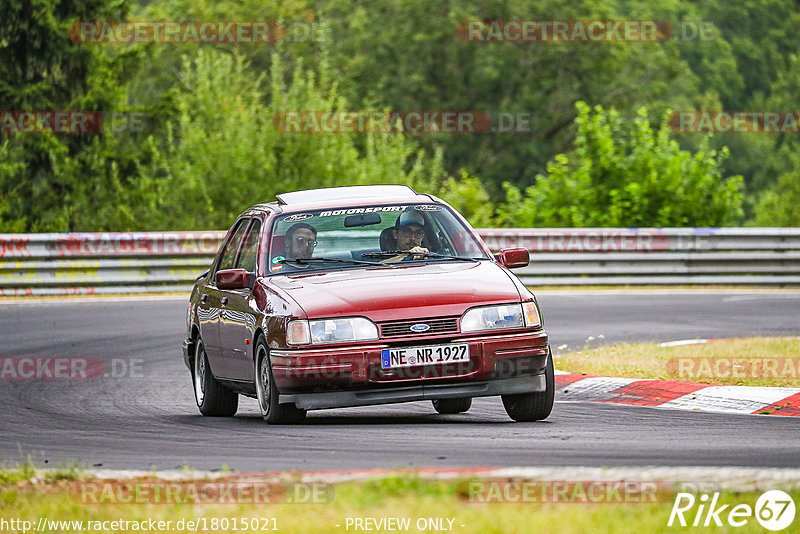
point(238, 313)
point(209, 306)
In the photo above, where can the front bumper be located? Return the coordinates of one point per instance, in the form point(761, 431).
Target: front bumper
point(343, 399)
point(356, 369)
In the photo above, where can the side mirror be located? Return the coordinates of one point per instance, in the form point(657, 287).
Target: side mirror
point(232, 279)
point(514, 257)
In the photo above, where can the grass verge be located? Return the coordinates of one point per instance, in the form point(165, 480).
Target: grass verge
point(443, 505)
point(758, 361)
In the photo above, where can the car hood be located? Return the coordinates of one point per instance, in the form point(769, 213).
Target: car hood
point(402, 292)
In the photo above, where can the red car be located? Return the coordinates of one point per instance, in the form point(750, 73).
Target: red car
point(364, 295)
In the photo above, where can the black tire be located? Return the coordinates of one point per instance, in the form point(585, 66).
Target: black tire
point(213, 399)
point(451, 406)
point(537, 405)
point(272, 412)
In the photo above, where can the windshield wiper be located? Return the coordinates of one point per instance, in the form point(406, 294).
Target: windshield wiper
point(390, 253)
point(448, 257)
point(302, 261)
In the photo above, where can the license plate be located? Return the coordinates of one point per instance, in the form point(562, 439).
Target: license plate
point(430, 355)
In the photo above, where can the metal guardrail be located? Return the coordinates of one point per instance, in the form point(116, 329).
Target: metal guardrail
point(111, 262)
point(87, 263)
point(638, 256)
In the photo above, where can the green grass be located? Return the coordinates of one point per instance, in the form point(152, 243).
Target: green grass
point(758, 361)
point(395, 496)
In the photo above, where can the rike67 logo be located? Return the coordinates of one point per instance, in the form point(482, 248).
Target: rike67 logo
point(774, 510)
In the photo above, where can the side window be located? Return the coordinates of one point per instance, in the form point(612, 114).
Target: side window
point(247, 259)
point(231, 246)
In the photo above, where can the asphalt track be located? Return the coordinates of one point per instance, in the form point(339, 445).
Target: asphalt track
point(148, 419)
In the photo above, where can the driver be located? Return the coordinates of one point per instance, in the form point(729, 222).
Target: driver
point(301, 238)
point(409, 231)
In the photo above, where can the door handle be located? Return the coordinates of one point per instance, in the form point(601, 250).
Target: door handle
point(224, 300)
point(204, 298)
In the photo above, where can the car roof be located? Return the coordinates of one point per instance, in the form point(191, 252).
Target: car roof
point(338, 196)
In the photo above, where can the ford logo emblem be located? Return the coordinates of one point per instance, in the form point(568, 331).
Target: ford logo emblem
point(298, 217)
point(421, 327)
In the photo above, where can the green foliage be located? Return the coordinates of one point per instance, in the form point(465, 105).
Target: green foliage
point(24, 471)
point(47, 180)
point(211, 148)
point(406, 55)
point(625, 174)
point(224, 151)
point(780, 204)
point(470, 198)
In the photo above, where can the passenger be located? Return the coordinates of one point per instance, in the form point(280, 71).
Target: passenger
point(301, 238)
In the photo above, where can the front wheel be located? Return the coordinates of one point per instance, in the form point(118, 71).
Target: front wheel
point(537, 405)
point(267, 392)
point(450, 406)
point(213, 399)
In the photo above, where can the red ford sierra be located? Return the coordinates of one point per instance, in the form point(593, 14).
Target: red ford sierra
point(364, 295)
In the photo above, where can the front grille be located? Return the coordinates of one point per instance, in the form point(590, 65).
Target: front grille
point(403, 328)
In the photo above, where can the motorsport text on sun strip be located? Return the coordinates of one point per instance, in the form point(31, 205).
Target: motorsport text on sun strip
point(353, 211)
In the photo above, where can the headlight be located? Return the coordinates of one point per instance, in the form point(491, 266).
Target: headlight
point(500, 317)
point(323, 331)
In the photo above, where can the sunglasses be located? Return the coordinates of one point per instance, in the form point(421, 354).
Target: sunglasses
point(419, 234)
point(302, 241)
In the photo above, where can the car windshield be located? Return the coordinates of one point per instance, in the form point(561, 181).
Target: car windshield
point(378, 235)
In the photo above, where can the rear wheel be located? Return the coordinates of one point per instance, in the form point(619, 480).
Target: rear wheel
point(213, 399)
point(537, 405)
point(267, 393)
point(450, 406)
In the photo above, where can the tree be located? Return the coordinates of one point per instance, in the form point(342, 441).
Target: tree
point(45, 178)
point(779, 205)
point(625, 174)
point(226, 150)
point(407, 55)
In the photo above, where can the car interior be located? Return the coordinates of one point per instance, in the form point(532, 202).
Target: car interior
point(436, 240)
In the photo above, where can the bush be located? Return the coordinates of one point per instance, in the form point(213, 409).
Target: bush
point(224, 153)
point(623, 174)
